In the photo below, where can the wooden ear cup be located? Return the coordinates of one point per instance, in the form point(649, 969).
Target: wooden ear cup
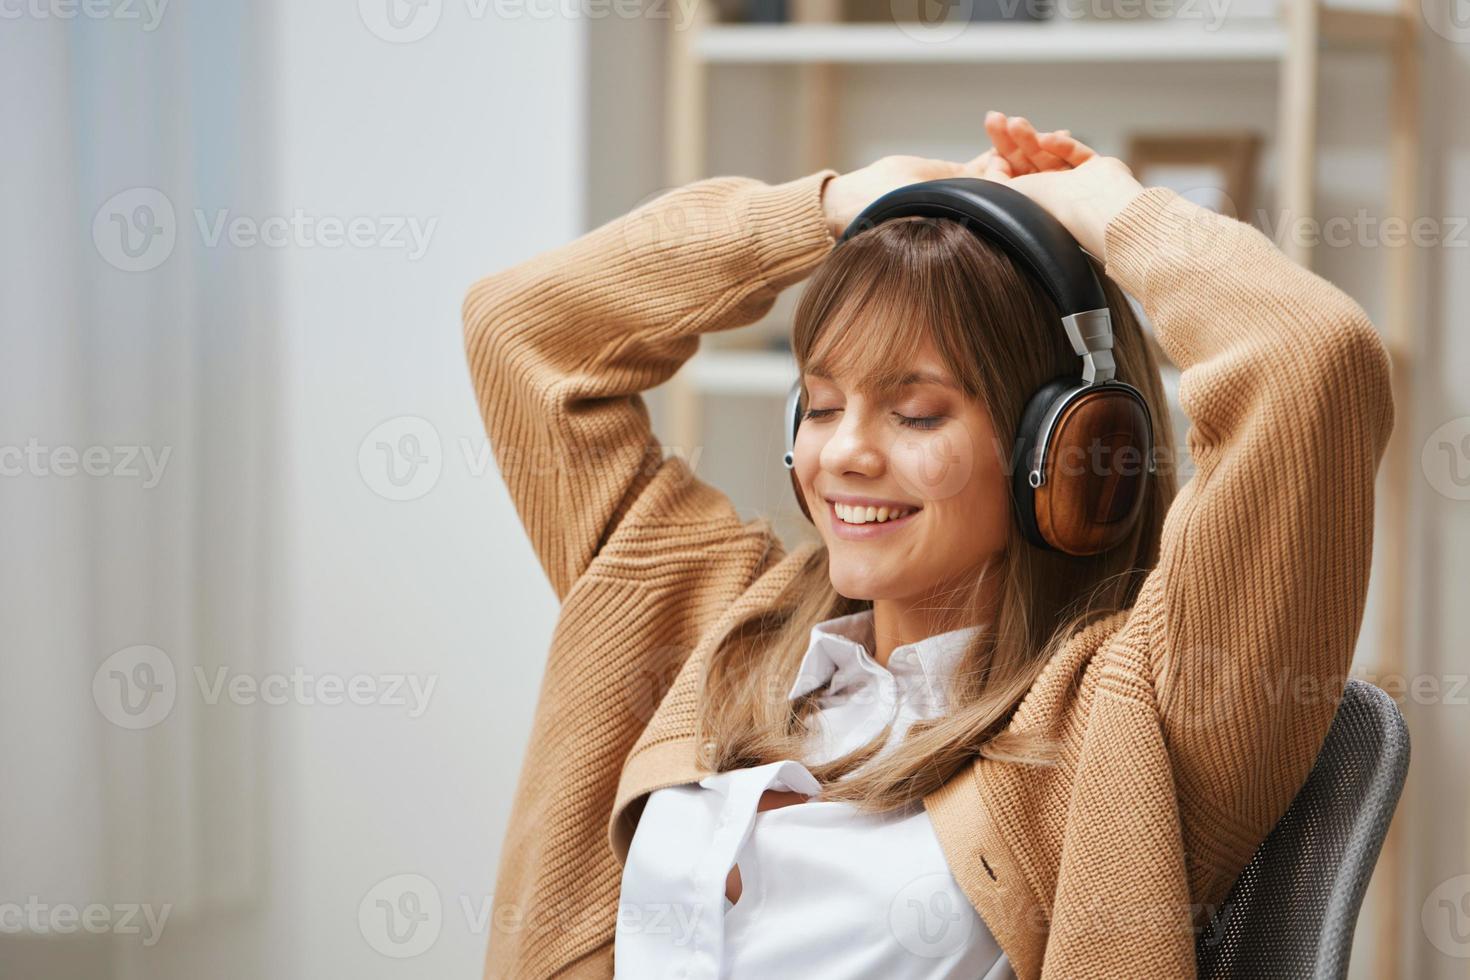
point(1096, 468)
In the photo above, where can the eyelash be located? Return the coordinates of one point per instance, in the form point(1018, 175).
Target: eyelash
point(925, 422)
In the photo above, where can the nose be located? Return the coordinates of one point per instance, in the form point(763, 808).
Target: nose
point(855, 445)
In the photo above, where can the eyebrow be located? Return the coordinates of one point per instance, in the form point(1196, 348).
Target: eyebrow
point(908, 380)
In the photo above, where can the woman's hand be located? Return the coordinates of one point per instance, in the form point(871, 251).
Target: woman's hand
point(1079, 187)
point(845, 195)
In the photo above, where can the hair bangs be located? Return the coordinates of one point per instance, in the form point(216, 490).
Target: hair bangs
point(892, 307)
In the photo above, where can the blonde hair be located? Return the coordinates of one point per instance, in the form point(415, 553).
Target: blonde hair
point(889, 289)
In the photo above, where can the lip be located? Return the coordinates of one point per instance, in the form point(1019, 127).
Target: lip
point(865, 532)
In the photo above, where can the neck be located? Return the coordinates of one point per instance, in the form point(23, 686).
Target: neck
point(897, 622)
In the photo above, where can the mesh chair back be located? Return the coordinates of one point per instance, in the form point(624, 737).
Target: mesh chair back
point(1292, 911)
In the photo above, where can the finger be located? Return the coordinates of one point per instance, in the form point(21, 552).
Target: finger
point(989, 165)
point(997, 126)
point(1074, 152)
point(1041, 158)
point(998, 169)
point(1023, 135)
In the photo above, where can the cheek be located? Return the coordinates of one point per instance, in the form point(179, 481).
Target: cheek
point(808, 451)
point(937, 465)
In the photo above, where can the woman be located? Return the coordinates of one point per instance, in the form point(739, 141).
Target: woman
point(927, 749)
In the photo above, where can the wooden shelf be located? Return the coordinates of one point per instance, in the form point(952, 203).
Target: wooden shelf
point(1042, 42)
point(740, 372)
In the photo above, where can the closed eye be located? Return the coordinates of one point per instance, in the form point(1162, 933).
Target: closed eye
point(923, 422)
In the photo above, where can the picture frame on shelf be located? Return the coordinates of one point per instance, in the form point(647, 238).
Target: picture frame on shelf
point(1216, 170)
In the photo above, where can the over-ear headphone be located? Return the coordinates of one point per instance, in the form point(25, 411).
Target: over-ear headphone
point(1066, 499)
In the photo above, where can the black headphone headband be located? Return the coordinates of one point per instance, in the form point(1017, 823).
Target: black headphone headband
point(1037, 241)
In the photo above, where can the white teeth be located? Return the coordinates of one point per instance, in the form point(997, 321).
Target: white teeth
point(869, 515)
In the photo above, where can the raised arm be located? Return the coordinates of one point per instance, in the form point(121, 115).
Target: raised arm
point(1251, 617)
point(561, 345)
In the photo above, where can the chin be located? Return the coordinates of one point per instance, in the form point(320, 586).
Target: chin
point(851, 584)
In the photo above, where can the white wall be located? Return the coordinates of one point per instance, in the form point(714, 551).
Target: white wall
point(478, 128)
point(479, 125)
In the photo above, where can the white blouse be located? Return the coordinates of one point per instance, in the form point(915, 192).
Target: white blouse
point(826, 890)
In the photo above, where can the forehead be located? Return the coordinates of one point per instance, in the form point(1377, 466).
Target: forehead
point(923, 367)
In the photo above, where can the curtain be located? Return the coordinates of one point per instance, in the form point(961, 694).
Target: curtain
point(137, 513)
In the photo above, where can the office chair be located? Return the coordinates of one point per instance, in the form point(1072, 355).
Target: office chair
point(1292, 911)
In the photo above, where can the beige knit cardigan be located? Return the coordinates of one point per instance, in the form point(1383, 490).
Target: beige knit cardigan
point(1188, 721)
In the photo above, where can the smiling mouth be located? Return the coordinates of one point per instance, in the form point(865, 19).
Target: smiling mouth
point(858, 515)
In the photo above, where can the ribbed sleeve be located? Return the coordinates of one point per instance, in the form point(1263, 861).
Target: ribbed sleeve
point(561, 345)
point(1252, 615)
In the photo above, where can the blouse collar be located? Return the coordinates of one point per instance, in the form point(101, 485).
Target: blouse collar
point(840, 650)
